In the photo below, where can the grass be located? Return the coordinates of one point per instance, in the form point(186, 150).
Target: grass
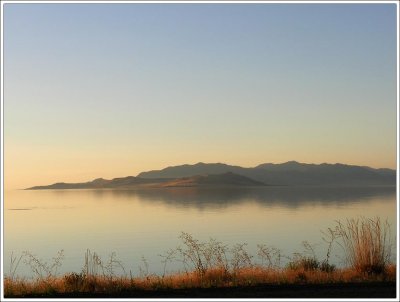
point(366, 243)
point(215, 277)
point(215, 265)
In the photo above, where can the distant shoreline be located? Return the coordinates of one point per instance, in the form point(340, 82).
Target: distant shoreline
point(209, 187)
point(205, 175)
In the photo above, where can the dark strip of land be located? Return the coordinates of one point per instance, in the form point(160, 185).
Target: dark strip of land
point(334, 290)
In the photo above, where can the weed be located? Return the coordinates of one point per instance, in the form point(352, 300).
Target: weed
point(192, 253)
point(14, 263)
point(301, 262)
point(169, 256)
point(112, 264)
point(270, 255)
point(74, 282)
point(144, 272)
point(92, 265)
point(326, 267)
point(366, 243)
point(240, 257)
point(42, 269)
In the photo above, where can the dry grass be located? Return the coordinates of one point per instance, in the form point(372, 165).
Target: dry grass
point(366, 243)
point(72, 283)
point(213, 264)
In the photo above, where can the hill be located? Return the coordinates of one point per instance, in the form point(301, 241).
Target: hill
point(100, 183)
point(225, 179)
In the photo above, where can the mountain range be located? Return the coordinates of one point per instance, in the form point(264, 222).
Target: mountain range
point(291, 173)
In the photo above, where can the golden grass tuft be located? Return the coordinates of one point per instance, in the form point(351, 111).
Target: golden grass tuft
point(366, 243)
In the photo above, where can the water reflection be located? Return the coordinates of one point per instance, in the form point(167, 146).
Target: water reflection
point(209, 198)
point(147, 222)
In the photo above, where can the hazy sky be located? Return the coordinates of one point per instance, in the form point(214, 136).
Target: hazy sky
point(109, 90)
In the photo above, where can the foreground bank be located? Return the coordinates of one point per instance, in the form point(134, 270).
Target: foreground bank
point(253, 282)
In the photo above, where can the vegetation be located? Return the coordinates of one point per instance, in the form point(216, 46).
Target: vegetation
point(212, 264)
point(366, 243)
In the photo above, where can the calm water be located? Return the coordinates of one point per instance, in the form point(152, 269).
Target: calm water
point(147, 223)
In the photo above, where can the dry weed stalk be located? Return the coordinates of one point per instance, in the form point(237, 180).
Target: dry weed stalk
point(366, 243)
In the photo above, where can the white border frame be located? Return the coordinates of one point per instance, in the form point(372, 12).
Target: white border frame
point(192, 2)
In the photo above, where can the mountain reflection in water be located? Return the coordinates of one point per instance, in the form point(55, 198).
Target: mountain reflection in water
point(222, 197)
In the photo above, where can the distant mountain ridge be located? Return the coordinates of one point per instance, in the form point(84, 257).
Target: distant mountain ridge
point(291, 173)
point(191, 170)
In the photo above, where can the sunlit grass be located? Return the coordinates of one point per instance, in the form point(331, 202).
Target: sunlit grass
point(216, 277)
point(366, 243)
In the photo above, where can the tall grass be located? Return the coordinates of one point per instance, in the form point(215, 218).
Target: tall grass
point(366, 243)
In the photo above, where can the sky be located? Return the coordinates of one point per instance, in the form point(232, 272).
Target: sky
point(110, 90)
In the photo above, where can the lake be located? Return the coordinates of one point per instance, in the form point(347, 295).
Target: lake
point(148, 222)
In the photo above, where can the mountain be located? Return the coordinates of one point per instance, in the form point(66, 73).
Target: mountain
point(294, 173)
point(191, 170)
point(289, 173)
point(225, 179)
